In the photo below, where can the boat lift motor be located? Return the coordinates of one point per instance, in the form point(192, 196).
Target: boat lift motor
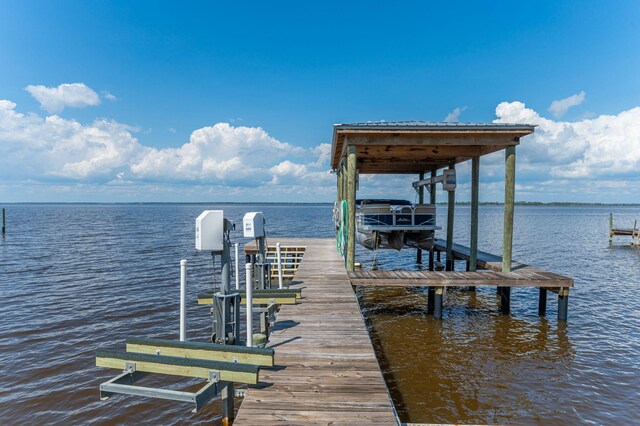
point(253, 227)
point(212, 234)
point(447, 178)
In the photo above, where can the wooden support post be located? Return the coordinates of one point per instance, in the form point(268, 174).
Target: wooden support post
point(227, 399)
point(451, 204)
point(439, 257)
point(610, 227)
point(505, 299)
point(432, 200)
point(437, 302)
point(563, 303)
point(475, 186)
point(509, 198)
point(420, 201)
point(4, 222)
point(351, 207)
point(431, 292)
point(542, 302)
point(431, 260)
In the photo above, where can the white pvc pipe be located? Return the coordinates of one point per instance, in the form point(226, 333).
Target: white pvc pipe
point(279, 260)
point(237, 270)
point(183, 290)
point(249, 305)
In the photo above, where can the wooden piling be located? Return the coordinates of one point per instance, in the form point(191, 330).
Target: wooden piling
point(563, 303)
point(505, 299)
point(227, 399)
point(610, 227)
point(431, 292)
point(351, 207)
point(437, 302)
point(509, 195)
point(475, 197)
point(432, 200)
point(451, 204)
point(4, 221)
point(542, 302)
point(420, 201)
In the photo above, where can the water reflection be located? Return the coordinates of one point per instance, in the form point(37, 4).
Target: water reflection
point(475, 365)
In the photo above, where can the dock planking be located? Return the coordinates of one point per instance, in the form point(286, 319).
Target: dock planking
point(325, 369)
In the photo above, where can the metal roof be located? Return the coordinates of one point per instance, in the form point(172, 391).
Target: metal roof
point(431, 125)
point(406, 147)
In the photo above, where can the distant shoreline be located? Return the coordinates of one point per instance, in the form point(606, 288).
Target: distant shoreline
point(253, 203)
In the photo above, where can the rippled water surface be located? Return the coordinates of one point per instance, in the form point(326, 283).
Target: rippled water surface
point(77, 277)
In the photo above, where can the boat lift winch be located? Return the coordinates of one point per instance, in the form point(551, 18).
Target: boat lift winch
point(447, 178)
point(253, 227)
point(212, 234)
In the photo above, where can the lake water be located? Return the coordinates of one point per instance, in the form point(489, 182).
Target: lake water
point(77, 277)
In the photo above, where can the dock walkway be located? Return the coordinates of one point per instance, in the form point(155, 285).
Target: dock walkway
point(326, 371)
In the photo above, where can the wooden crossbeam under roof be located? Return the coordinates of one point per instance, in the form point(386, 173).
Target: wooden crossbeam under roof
point(411, 147)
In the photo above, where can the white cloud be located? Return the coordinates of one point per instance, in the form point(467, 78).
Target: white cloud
point(454, 115)
point(54, 149)
point(55, 99)
point(588, 160)
point(559, 107)
point(108, 96)
point(605, 146)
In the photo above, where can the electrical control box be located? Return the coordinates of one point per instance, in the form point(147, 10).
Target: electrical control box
point(210, 227)
point(449, 180)
point(253, 225)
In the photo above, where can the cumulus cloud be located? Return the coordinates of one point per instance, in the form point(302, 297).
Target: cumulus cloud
point(454, 115)
point(55, 99)
point(53, 149)
point(559, 107)
point(605, 146)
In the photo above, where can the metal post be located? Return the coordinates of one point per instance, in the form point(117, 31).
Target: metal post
point(420, 201)
point(248, 288)
point(563, 304)
point(279, 260)
point(351, 207)
point(509, 197)
point(451, 204)
point(237, 264)
point(437, 303)
point(183, 300)
point(542, 302)
point(262, 259)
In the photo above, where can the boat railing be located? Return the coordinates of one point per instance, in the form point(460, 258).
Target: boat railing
point(380, 215)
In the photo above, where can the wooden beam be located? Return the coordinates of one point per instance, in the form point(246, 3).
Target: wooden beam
point(351, 207)
point(282, 299)
point(509, 198)
point(423, 153)
point(206, 351)
point(175, 366)
point(421, 139)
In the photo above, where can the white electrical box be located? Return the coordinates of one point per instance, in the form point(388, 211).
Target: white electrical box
point(253, 225)
point(449, 180)
point(210, 230)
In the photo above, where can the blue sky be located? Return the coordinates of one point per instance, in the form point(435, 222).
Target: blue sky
point(281, 73)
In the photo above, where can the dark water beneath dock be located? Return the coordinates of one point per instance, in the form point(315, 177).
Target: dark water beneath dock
point(77, 277)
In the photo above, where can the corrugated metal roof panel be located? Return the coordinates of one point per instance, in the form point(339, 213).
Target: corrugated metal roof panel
point(431, 125)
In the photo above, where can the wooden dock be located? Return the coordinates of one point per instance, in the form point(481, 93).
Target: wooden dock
point(325, 370)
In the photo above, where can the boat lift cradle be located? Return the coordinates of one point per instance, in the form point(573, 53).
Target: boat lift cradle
point(220, 365)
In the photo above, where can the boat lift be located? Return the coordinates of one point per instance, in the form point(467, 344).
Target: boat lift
point(447, 178)
point(221, 363)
